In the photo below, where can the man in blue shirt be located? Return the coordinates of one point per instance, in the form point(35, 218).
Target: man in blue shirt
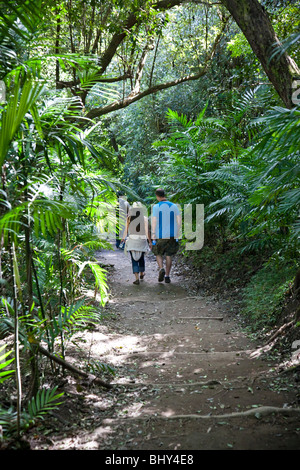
point(165, 229)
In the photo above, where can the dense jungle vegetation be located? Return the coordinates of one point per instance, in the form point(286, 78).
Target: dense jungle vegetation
point(198, 97)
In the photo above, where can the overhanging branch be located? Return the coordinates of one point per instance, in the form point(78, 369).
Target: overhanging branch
point(115, 106)
point(138, 95)
point(76, 83)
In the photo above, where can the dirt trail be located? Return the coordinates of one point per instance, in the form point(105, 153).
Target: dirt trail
point(187, 377)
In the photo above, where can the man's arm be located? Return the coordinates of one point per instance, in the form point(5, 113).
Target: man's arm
point(155, 211)
point(153, 227)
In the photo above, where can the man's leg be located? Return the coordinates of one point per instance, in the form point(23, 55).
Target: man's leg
point(170, 251)
point(159, 252)
point(168, 265)
point(161, 274)
point(160, 262)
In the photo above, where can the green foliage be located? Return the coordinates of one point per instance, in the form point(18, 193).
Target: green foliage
point(22, 97)
point(245, 171)
point(239, 46)
point(5, 374)
point(96, 366)
point(44, 402)
point(68, 321)
point(56, 171)
point(244, 167)
point(263, 297)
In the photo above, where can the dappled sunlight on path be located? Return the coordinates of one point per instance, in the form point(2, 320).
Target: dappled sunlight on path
point(186, 374)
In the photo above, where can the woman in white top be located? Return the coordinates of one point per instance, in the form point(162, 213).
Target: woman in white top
point(138, 238)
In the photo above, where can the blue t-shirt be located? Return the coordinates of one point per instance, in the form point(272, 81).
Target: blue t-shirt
point(166, 219)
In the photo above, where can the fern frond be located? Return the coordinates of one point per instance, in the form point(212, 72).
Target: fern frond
point(44, 402)
point(5, 374)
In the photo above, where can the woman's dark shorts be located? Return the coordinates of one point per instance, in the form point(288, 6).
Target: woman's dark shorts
point(165, 246)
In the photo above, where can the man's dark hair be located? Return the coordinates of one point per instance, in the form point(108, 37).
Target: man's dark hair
point(160, 193)
point(120, 193)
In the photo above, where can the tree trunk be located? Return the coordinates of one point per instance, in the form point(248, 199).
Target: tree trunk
point(254, 22)
point(57, 41)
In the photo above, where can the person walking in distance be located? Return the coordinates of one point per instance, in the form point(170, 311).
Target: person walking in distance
point(165, 229)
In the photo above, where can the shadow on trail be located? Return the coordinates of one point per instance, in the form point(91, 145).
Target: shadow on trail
point(186, 377)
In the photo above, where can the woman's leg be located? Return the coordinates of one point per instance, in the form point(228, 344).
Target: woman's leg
point(135, 269)
point(142, 266)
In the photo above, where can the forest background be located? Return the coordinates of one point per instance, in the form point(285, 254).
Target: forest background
point(198, 97)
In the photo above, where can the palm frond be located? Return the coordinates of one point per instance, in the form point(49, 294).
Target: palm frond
point(71, 319)
point(284, 46)
point(5, 374)
point(21, 97)
point(44, 402)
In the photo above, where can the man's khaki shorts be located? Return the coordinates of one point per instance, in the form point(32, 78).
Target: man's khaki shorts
point(165, 246)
